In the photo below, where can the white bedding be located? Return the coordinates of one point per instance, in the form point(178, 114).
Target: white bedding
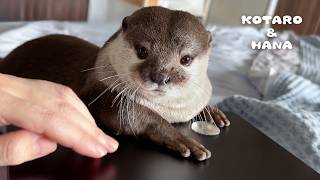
point(230, 59)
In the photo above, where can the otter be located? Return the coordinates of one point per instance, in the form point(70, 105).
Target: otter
point(151, 73)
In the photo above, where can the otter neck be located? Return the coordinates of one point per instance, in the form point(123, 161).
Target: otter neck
point(179, 109)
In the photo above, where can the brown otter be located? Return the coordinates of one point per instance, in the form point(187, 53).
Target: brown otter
point(150, 73)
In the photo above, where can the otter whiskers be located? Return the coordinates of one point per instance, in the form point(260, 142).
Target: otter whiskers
point(198, 94)
point(126, 106)
point(126, 98)
point(205, 108)
point(94, 68)
point(103, 92)
point(117, 75)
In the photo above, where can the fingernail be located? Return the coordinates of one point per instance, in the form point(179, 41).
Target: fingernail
point(101, 151)
point(114, 144)
point(110, 143)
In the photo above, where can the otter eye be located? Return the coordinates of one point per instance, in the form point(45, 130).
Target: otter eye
point(142, 52)
point(186, 60)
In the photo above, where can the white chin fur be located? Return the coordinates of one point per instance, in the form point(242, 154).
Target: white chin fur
point(177, 104)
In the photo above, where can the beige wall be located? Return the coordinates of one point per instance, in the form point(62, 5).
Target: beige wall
point(222, 12)
point(110, 10)
point(229, 12)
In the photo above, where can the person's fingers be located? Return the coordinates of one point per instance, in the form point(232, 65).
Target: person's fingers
point(55, 111)
point(63, 125)
point(21, 146)
point(47, 93)
point(64, 93)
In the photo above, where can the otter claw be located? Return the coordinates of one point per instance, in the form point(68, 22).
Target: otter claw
point(187, 147)
point(218, 117)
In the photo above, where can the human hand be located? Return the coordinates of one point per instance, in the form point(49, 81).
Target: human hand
point(49, 114)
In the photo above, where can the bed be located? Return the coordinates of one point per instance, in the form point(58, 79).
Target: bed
point(234, 70)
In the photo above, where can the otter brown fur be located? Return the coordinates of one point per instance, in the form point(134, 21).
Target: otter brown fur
point(150, 73)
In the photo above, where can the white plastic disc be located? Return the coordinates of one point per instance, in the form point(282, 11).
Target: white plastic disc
point(205, 128)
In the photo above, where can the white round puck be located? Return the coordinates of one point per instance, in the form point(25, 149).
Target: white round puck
point(205, 128)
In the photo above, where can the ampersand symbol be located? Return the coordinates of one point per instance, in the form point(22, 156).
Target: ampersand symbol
point(271, 33)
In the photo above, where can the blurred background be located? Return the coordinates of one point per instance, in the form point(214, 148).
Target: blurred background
point(211, 12)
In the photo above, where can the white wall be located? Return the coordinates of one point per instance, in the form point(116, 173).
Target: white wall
point(109, 10)
point(221, 12)
point(229, 12)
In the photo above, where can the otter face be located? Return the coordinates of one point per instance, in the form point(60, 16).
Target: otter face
point(164, 52)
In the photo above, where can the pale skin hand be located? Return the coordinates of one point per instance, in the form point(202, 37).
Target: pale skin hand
point(48, 114)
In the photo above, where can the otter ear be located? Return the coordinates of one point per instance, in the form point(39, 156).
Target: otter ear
point(125, 23)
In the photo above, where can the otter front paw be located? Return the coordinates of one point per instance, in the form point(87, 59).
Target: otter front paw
point(187, 147)
point(217, 116)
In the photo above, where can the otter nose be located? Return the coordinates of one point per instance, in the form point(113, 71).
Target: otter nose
point(160, 78)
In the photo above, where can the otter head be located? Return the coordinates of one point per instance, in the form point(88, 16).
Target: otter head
point(164, 55)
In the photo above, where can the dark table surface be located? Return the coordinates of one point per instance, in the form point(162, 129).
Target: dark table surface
point(239, 152)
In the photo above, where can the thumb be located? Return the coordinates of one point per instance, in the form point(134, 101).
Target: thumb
point(20, 146)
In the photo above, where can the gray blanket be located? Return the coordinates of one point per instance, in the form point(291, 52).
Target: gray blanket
point(290, 110)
